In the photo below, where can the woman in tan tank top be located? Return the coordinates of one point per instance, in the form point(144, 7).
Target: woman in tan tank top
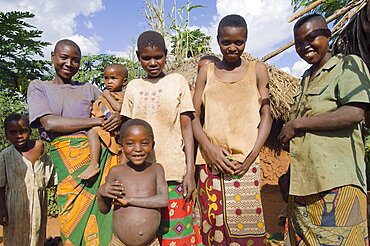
point(237, 122)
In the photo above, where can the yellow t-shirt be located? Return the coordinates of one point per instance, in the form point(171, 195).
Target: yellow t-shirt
point(160, 101)
point(323, 160)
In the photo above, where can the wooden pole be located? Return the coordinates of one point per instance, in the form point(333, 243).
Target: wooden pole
point(305, 10)
point(337, 13)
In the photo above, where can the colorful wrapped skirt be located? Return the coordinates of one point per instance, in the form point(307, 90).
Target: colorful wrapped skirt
point(178, 225)
point(80, 220)
point(335, 217)
point(230, 208)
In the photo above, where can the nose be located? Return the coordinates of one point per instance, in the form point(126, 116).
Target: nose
point(232, 48)
point(68, 62)
point(152, 62)
point(137, 147)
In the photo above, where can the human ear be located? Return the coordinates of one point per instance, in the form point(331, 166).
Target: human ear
point(138, 55)
point(153, 145)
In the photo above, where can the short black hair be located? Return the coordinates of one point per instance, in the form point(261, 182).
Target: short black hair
point(232, 21)
point(136, 122)
point(210, 58)
point(15, 117)
point(119, 66)
point(311, 17)
point(150, 39)
point(67, 42)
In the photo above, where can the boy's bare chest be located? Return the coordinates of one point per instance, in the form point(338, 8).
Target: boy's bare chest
point(139, 184)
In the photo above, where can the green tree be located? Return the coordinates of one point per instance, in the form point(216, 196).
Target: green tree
point(327, 8)
point(19, 45)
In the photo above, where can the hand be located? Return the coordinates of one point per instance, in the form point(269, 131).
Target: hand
point(3, 217)
point(113, 122)
point(217, 156)
point(124, 201)
point(188, 185)
point(106, 93)
point(244, 167)
point(112, 190)
point(287, 133)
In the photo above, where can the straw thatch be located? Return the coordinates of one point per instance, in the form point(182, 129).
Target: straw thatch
point(282, 85)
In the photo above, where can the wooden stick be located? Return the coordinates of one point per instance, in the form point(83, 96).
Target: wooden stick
point(337, 13)
point(305, 10)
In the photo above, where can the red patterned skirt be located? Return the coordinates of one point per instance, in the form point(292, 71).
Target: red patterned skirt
point(230, 208)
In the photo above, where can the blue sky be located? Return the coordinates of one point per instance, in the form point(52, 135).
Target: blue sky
point(108, 26)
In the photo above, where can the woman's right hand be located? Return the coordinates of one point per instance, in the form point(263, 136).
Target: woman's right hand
point(113, 122)
point(113, 190)
point(3, 217)
point(217, 156)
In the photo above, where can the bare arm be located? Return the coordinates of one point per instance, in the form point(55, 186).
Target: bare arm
point(110, 190)
point(265, 116)
point(215, 153)
point(3, 212)
point(187, 136)
point(160, 200)
point(112, 101)
point(342, 117)
point(59, 124)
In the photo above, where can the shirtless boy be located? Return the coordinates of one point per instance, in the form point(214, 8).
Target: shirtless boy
point(137, 189)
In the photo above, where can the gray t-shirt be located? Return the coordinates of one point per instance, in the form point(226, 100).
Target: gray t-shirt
point(66, 100)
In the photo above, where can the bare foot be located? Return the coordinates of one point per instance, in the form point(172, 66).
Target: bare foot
point(90, 171)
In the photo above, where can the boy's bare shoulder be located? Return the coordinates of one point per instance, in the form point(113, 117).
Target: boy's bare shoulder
point(158, 166)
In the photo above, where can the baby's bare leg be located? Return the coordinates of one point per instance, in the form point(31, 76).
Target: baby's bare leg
point(94, 143)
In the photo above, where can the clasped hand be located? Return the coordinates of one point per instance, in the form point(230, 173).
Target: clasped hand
point(115, 191)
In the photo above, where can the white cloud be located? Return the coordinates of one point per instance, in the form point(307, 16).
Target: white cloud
point(299, 67)
point(88, 45)
point(286, 69)
point(88, 24)
point(267, 23)
point(57, 19)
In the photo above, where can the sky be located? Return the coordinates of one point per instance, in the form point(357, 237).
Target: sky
point(110, 26)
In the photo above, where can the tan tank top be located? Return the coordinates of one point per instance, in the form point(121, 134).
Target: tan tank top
point(232, 114)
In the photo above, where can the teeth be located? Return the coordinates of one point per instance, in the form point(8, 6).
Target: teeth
point(310, 54)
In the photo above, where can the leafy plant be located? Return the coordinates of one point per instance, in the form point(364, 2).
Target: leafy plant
point(19, 45)
point(326, 9)
point(53, 210)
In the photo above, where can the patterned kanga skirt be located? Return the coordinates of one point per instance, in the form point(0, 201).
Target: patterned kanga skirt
point(335, 217)
point(230, 207)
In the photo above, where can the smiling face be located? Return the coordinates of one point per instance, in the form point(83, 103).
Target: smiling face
point(152, 59)
point(66, 59)
point(137, 144)
point(114, 78)
point(312, 43)
point(232, 42)
point(18, 133)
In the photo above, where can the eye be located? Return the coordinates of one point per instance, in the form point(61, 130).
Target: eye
point(145, 142)
point(129, 143)
point(239, 42)
point(225, 42)
point(145, 58)
point(158, 57)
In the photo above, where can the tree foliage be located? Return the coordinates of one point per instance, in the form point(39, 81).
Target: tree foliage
point(184, 42)
point(19, 45)
point(326, 9)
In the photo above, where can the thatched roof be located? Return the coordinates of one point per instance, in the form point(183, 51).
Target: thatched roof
point(282, 85)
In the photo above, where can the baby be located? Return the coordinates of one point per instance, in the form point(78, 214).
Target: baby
point(115, 79)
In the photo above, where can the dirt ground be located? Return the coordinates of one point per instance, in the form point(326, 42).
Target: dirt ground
point(272, 166)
